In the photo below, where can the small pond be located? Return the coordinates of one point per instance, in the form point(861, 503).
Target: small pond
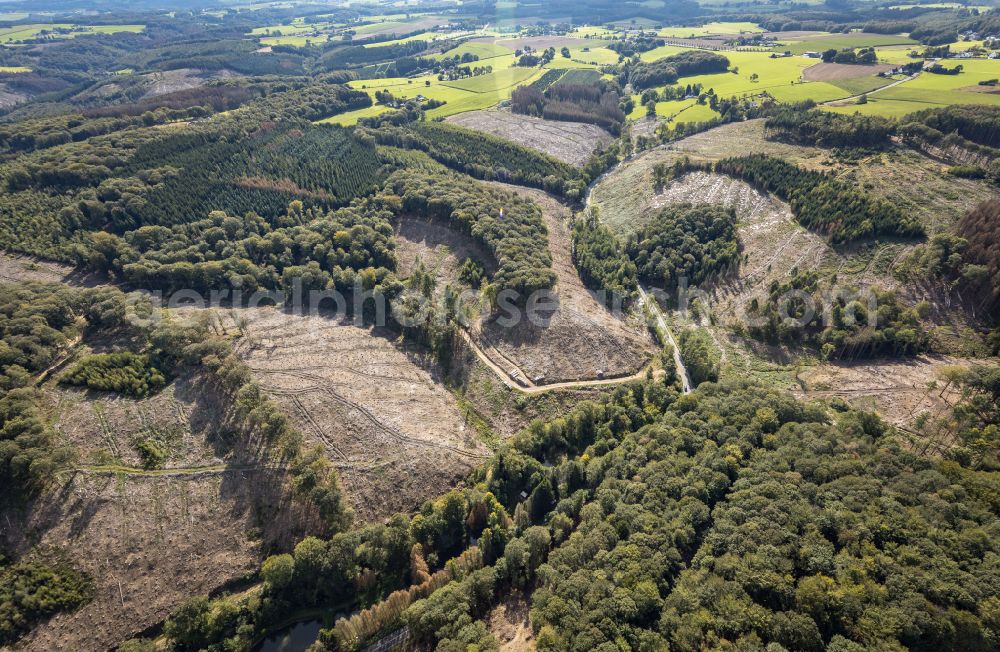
point(296, 638)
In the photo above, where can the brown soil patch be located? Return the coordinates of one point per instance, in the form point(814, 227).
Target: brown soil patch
point(440, 249)
point(181, 79)
point(899, 390)
point(105, 427)
point(570, 142)
point(16, 268)
point(834, 71)
point(149, 543)
point(377, 407)
point(508, 622)
point(149, 540)
point(582, 340)
point(989, 90)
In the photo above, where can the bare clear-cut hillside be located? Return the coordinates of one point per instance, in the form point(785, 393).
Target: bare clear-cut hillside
point(571, 142)
point(388, 424)
point(582, 340)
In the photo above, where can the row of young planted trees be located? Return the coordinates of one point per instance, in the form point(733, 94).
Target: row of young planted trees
point(483, 156)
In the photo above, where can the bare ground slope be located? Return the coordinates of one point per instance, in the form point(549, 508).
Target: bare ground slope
point(150, 540)
point(390, 427)
point(582, 339)
point(571, 142)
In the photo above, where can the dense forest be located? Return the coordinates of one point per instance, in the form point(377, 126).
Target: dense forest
point(798, 124)
point(483, 156)
point(594, 104)
point(602, 260)
point(669, 69)
point(31, 591)
point(686, 244)
point(736, 515)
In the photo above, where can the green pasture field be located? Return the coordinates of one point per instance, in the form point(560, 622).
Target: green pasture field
point(495, 81)
point(364, 30)
point(928, 90)
point(727, 29)
point(781, 77)
point(482, 49)
point(859, 85)
point(593, 31)
point(422, 36)
point(19, 33)
point(842, 42)
point(897, 54)
point(660, 52)
point(578, 58)
point(471, 94)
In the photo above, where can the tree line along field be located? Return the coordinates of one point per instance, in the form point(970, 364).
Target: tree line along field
point(781, 78)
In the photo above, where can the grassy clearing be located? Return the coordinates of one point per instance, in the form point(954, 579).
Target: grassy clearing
point(843, 41)
point(859, 85)
point(896, 54)
point(471, 94)
point(929, 90)
point(584, 57)
point(14, 69)
point(351, 118)
point(482, 49)
point(494, 82)
point(19, 33)
point(661, 52)
point(781, 77)
point(365, 30)
point(593, 31)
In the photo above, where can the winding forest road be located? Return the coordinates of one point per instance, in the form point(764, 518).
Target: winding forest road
point(844, 100)
point(528, 387)
point(662, 323)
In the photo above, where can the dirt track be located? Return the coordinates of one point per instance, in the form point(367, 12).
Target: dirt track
point(582, 340)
